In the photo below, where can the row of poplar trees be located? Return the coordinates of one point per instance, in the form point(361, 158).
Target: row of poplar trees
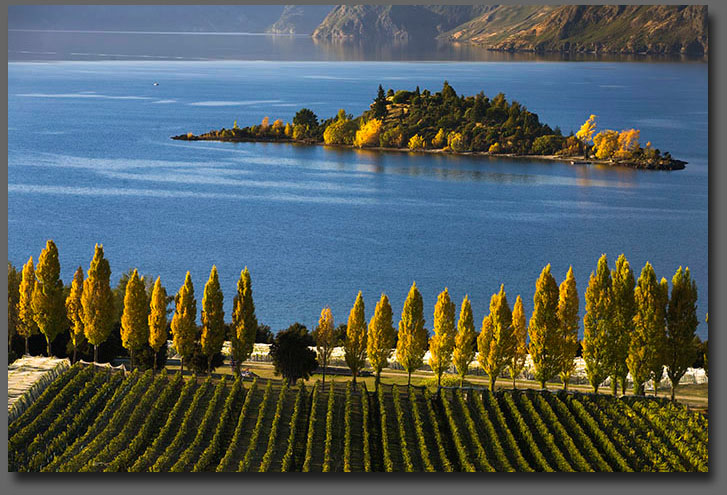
point(630, 326)
point(88, 310)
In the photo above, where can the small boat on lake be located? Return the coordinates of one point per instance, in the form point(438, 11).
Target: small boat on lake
point(579, 162)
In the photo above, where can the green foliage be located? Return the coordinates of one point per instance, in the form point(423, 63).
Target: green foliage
point(412, 337)
point(598, 335)
point(290, 353)
point(47, 302)
point(213, 318)
point(544, 328)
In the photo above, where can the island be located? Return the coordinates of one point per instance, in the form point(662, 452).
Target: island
point(445, 122)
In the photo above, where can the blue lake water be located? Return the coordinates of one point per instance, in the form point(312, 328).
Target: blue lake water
point(90, 160)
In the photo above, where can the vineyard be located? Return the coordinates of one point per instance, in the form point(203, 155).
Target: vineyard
point(94, 420)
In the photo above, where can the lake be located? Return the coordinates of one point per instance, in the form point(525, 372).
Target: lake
point(90, 160)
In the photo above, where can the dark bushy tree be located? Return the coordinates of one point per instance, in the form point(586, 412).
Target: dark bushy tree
point(291, 355)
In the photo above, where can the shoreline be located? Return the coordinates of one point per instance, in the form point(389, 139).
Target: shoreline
point(573, 160)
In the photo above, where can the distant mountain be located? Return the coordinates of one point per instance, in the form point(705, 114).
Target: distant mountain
point(197, 18)
point(653, 29)
point(394, 22)
point(300, 19)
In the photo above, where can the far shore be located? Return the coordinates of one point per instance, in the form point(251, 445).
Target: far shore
point(574, 160)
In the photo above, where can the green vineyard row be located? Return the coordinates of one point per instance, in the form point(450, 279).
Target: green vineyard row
point(89, 420)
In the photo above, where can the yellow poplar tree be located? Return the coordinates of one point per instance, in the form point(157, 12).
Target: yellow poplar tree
point(585, 133)
point(568, 317)
point(628, 143)
point(605, 144)
point(417, 142)
point(496, 342)
point(624, 308)
point(597, 324)
point(325, 339)
point(440, 139)
point(465, 341)
point(520, 334)
point(213, 318)
point(74, 311)
point(288, 130)
point(355, 344)
point(412, 337)
point(244, 321)
point(157, 319)
point(544, 328)
point(681, 317)
point(441, 344)
point(368, 134)
point(645, 349)
point(26, 324)
point(184, 325)
point(97, 301)
point(47, 301)
point(381, 336)
point(134, 319)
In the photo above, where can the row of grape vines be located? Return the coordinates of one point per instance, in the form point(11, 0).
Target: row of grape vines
point(94, 420)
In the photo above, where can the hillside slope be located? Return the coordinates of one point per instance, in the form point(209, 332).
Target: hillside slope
point(300, 19)
point(651, 29)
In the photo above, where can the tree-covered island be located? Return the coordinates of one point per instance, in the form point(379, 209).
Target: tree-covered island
point(422, 121)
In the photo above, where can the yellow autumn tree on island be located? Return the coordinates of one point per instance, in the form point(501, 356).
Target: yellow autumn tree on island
point(585, 133)
point(368, 134)
point(417, 143)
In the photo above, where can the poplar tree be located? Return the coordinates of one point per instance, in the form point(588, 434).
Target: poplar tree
point(645, 349)
point(26, 323)
point(97, 301)
point(441, 344)
point(544, 328)
point(381, 337)
point(520, 336)
point(74, 311)
point(47, 300)
point(325, 338)
point(496, 342)
point(157, 319)
point(244, 321)
point(465, 341)
point(355, 344)
point(624, 309)
point(568, 318)
point(681, 325)
point(184, 326)
point(213, 318)
point(597, 324)
point(135, 318)
point(412, 337)
point(14, 278)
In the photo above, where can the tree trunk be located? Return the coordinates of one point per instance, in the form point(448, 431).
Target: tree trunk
point(95, 353)
point(513, 382)
point(131, 359)
point(47, 341)
point(492, 383)
point(324, 377)
point(209, 365)
point(614, 386)
point(378, 377)
point(354, 379)
point(542, 384)
point(439, 380)
point(673, 390)
point(565, 385)
point(27, 352)
point(154, 368)
point(181, 366)
point(623, 384)
point(595, 388)
point(74, 353)
point(408, 382)
point(461, 381)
